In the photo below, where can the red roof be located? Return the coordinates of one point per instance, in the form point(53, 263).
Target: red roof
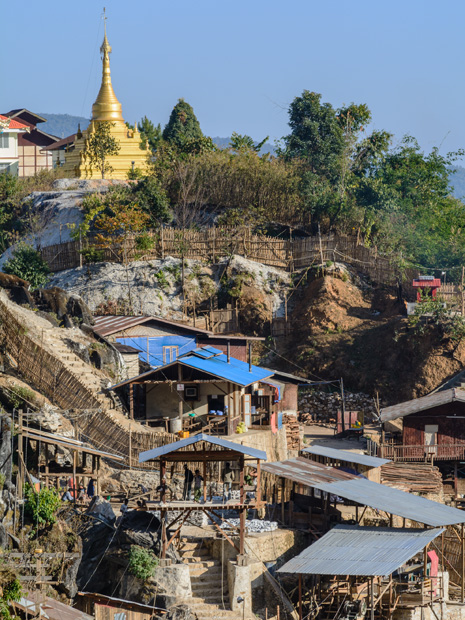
point(13, 124)
point(433, 283)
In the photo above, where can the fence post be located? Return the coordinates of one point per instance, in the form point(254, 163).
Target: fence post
point(162, 239)
point(80, 249)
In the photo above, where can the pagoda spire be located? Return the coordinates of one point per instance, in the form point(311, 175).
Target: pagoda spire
point(106, 106)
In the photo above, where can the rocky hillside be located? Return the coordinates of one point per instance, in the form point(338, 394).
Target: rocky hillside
point(342, 327)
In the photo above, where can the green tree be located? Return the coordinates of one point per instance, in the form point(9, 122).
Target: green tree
point(100, 145)
point(316, 135)
point(152, 199)
point(41, 506)
point(182, 126)
point(243, 143)
point(150, 133)
point(28, 264)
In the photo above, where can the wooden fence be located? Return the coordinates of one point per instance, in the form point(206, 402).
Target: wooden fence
point(216, 243)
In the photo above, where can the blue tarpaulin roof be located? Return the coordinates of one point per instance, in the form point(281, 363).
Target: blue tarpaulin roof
point(155, 453)
point(360, 551)
point(213, 362)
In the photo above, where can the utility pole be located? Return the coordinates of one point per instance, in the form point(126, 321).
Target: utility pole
point(343, 406)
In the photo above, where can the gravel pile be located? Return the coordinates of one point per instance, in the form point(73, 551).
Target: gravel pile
point(252, 525)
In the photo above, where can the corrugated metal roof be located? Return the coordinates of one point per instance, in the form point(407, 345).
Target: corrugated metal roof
point(235, 370)
point(346, 456)
point(215, 364)
point(360, 551)
point(107, 325)
point(366, 492)
point(421, 404)
point(155, 453)
point(66, 442)
point(35, 604)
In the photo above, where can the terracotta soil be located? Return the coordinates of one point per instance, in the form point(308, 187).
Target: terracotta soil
point(363, 335)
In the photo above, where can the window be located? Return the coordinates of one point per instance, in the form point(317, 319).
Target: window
point(191, 392)
point(4, 140)
point(170, 354)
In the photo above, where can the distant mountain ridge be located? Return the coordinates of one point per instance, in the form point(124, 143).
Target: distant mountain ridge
point(63, 125)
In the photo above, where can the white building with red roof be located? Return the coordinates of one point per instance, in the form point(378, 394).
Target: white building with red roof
point(10, 130)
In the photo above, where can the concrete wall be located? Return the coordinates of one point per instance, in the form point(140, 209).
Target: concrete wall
point(274, 548)
point(274, 444)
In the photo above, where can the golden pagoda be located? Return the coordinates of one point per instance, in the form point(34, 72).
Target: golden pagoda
point(107, 108)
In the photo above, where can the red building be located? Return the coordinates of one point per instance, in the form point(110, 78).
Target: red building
point(31, 155)
point(433, 428)
point(427, 284)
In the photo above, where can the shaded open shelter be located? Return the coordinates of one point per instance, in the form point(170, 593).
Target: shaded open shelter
point(86, 460)
point(318, 490)
point(208, 453)
point(376, 569)
point(352, 462)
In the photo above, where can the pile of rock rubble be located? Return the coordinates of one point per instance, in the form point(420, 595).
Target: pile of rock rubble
point(322, 407)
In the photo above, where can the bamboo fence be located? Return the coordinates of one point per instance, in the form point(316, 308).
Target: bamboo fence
point(213, 244)
point(52, 378)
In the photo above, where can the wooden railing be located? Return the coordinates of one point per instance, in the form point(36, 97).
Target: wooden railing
point(442, 452)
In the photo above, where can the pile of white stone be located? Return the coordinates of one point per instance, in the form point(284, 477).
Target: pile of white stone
point(252, 525)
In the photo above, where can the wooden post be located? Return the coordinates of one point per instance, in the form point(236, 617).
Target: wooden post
point(130, 445)
point(343, 407)
point(243, 513)
point(300, 597)
point(131, 401)
point(259, 484)
point(463, 564)
point(21, 473)
point(180, 406)
point(74, 475)
point(163, 533)
point(97, 477)
point(283, 495)
point(205, 481)
point(46, 465)
point(372, 601)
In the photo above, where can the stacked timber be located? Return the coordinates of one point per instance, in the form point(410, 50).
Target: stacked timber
point(292, 427)
point(412, 477)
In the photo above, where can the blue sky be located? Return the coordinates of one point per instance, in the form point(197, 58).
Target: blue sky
point(240, 64)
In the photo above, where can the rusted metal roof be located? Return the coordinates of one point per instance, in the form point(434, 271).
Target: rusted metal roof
point(67, 442)
point(360, 551)
point(107, 325)
point(34, 604)
point(346, 456)
point(365, 492)
point(421, 404)
point(156, 453)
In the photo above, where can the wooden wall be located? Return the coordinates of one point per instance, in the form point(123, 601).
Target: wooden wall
point(450, 431)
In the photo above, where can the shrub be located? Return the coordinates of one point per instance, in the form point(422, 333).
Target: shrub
point(41, 507)
point(145, 242)
point(11, 591)
point(93, 255)
point(142, 562)
point(19, 394)
point(28, 264)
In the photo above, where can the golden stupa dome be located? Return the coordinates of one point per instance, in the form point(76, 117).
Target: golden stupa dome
point(106, 106)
